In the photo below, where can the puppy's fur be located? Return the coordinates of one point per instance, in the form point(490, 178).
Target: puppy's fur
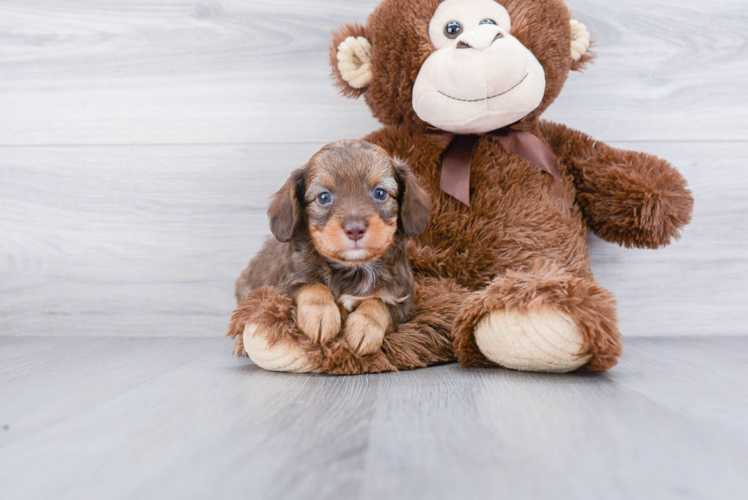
point(344, 253)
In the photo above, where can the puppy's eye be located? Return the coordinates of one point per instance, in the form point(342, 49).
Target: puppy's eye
point(324, 198)
point(453, 29)
point(380, 194)
point(488, 21)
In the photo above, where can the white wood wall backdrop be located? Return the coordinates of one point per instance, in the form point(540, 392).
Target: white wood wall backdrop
point(139, 141)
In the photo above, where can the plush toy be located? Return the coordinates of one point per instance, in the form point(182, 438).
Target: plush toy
point(503, 271)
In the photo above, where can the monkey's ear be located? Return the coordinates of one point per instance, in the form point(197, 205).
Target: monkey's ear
point(415, 202)
point(350, 56)
point(580, 46)
point(285, 209)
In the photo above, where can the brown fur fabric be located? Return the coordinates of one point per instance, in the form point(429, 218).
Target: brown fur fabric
point(522, 241)
point(424, 341)
point(629, 198)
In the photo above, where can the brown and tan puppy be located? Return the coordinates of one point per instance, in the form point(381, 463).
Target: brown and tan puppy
point(340, 225)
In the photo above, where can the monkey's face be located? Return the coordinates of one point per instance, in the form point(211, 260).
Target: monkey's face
point(479, 78)
point(464, 66)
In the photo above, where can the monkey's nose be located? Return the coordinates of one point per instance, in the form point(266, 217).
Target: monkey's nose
point(480, 38)
point(355, 230)
point(464, 45)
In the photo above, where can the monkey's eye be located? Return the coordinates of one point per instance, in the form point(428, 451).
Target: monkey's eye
point(324, 198)
point(488, 21)
point(380, 194)
point(453, 29)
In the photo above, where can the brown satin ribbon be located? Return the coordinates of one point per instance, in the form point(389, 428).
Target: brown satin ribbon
point(456, 167)
point(455, 179)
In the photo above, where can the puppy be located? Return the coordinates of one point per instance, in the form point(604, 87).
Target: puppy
point(340, 225)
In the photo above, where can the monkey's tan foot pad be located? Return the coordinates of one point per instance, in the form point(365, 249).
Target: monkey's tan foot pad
point(283, 356)
point(541, 339)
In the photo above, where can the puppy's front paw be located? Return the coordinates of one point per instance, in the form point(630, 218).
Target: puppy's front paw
point(366, 327)
point(317, 314)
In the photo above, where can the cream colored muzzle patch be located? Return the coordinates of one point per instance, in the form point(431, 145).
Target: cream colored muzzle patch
point(483, 78)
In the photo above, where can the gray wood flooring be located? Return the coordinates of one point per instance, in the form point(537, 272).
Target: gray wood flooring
point(178, 418)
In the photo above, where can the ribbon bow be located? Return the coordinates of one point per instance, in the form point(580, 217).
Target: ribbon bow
point(455, 180)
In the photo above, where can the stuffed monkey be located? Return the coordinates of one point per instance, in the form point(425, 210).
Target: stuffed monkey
point(503, 270)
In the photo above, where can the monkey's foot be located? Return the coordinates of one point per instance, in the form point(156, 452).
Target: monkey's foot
point(540, 339)
point(283, 356)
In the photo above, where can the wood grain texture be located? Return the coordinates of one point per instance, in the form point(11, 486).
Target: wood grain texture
point(209, 105)
point(168, 418)
point(147, 241)
point(232, 71)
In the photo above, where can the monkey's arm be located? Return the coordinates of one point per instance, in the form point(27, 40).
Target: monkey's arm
point(633, 199)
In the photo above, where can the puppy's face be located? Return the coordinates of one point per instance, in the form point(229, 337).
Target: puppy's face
point(352, 198)
point(351, 204)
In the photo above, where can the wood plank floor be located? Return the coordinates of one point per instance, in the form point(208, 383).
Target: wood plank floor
point(181, 418)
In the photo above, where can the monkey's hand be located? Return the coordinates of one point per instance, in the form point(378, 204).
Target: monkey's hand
point(629, 198)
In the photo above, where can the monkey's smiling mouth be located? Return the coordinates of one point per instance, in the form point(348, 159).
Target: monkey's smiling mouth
point(487, 98)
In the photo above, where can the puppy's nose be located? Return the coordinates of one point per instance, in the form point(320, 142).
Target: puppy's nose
point(355, 230)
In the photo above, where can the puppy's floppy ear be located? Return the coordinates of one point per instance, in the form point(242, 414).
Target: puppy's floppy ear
point(285, 209)
point(415, 202)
